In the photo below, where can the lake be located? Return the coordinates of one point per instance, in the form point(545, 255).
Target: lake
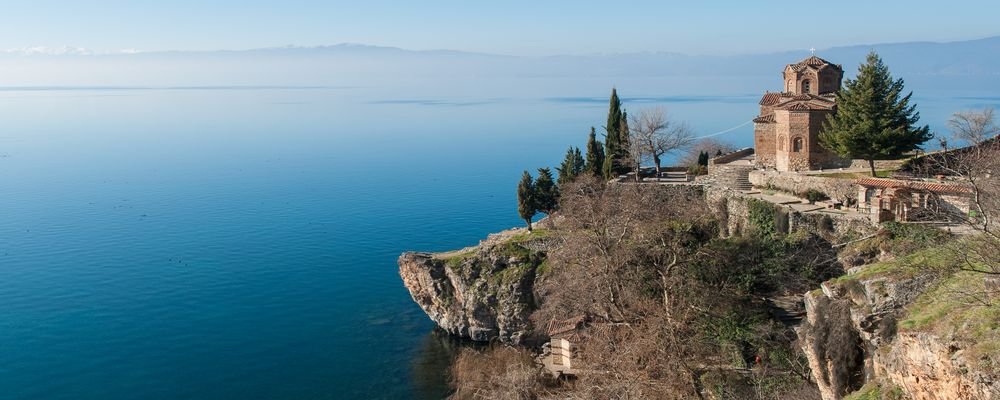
point(241, 242)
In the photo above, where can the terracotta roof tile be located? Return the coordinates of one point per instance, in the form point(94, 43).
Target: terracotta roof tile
point(770, 98)
point(765, 119)
point(915, 185)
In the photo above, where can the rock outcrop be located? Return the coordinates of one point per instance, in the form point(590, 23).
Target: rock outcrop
point(483, 293)
point(851, 337)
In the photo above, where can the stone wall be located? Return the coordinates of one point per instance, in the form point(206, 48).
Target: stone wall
point(837, 189)
point(731, 206)
point(730, 176)
point(764, 143)
point(879, 164)
point(730, 157)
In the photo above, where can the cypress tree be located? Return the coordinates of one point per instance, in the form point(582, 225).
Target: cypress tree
point(578, 162)
point(595, 155)
point(874, 120)
point(612, 143)
point(624, 162)
point(526, 206)
point(546, 192)
point(568, 170)
point(703, 158)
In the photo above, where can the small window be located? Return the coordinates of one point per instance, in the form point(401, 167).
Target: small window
point(806, 86)
point(797, 145)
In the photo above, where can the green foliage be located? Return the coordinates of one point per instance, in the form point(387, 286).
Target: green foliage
point(526, 204)
point(456, 260)
point(594, 163)
point(951, 310)
point(761, 215)
point(814, 195)
point(616, 154)
point(876, 391)
point(703, 159)
point(571, 167)
point(546, 192)
point(874, 120)
point(697, 170)
point(760, 265)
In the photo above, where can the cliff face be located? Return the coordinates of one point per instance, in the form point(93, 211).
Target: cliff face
point(483, 293)
point(861, 330)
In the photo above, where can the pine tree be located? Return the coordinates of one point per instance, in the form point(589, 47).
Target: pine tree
point(568, 170)
point(874, 121)
point(526, 206)
point(595, 155)
point(546, 192)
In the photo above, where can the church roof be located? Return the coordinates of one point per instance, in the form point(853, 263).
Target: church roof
point(789, 101)
point(770, 98)
point(812, 62)
point(765, 119)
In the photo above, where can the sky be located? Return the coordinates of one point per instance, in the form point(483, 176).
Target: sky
point(515, 27)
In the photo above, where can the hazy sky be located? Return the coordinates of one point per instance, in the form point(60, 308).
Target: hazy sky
point(508, 26)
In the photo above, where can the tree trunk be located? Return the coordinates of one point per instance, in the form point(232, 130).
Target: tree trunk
point(656, 159)
point(871, 164)
point(528, 220)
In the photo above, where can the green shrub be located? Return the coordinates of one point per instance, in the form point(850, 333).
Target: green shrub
point(697, 170)
point(761, 216)
point(814, 195)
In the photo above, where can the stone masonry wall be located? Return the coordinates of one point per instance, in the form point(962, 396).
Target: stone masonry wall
point(838, 189)
point(764, 142)
point(730, 157)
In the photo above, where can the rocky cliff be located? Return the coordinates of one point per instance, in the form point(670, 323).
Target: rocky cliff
point(483, 293)
point(897, 327)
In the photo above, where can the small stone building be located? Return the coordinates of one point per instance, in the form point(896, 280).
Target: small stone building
point(904, 200)
point(565, 335)
point(786, 133)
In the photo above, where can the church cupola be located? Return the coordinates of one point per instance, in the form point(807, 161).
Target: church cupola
point(814, 76)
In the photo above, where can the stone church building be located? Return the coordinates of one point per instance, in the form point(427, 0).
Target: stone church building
point(786, 133)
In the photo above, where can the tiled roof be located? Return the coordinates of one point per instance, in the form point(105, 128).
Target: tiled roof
point(804, 101)
point(567, 326)
point(765, 119)
point(770, 98)
point(812, 62)
point(915, 185)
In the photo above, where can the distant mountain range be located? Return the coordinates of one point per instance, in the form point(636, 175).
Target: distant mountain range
point(346, 63)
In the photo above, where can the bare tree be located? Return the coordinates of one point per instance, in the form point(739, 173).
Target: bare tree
point(977, 168)
point(974, 126)
point(711, 146)
point(655, 135)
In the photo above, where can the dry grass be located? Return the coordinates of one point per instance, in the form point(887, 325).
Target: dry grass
point(503, 373)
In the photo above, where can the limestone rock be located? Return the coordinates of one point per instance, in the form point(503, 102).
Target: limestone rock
point(483, 293)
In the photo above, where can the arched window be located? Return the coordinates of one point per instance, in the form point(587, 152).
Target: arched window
point(797, 144)
point(781, 143)
point(806, 86)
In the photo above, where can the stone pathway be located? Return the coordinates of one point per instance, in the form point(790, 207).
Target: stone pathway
point(801, 205)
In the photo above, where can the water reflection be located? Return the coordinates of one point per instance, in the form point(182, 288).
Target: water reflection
point(429, 369)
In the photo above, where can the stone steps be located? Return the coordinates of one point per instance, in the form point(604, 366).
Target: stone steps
point(788, 310)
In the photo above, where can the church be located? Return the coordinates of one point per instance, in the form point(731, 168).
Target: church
point(786, 133)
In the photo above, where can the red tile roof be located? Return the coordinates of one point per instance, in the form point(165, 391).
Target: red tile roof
point(765, 119)
point(914, 185)
point(770, 98)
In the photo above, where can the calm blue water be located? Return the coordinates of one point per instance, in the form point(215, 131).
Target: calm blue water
point(241, 244)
